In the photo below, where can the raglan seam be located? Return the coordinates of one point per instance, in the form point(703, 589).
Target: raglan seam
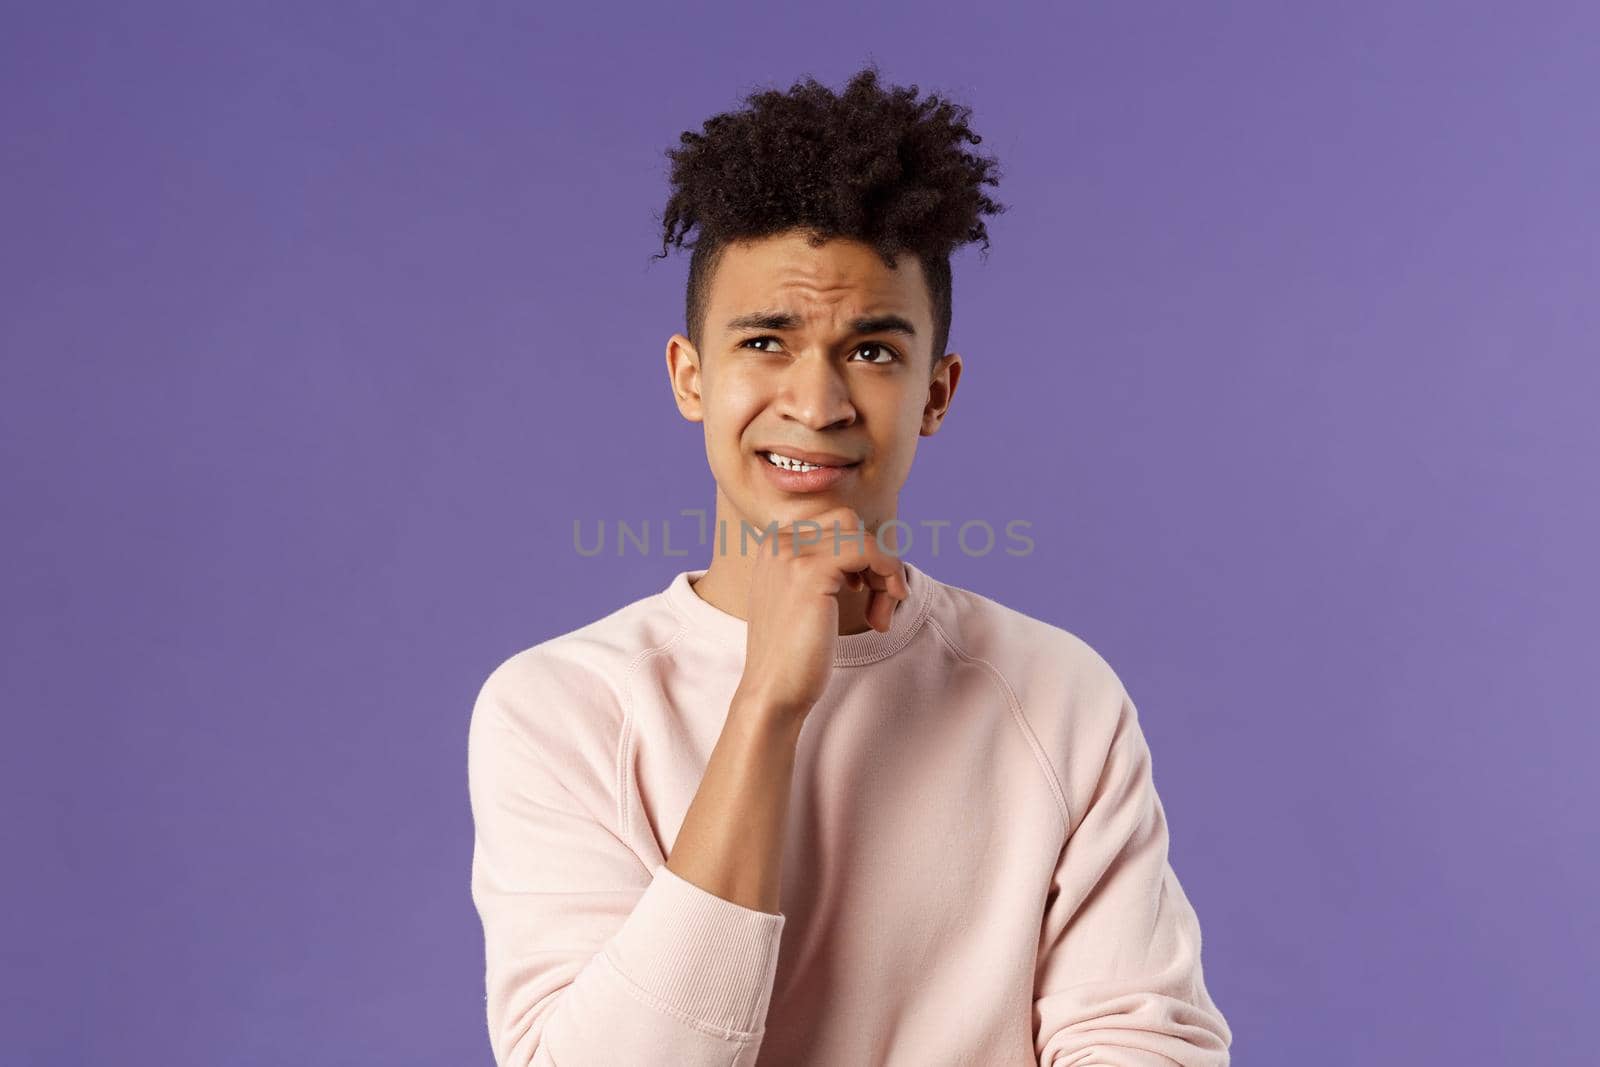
point(499, 719)
point(622, 782)
point(1021, 719)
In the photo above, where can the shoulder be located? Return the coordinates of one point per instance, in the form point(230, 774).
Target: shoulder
point(567, 691)
point(1040, 660)
point(1069, 698)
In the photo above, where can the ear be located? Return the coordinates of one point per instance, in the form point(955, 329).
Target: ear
point(683, 370)
point(941, 390)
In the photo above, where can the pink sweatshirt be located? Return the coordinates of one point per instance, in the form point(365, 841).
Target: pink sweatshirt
point(975, 870)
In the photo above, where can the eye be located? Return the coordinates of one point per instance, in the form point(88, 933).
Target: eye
point(892, 354)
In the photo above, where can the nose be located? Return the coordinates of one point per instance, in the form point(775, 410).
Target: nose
point(815, 394)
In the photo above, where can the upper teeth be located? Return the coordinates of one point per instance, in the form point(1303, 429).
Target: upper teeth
point(791, 464)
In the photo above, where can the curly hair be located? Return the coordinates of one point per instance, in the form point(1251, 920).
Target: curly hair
point(870, 163)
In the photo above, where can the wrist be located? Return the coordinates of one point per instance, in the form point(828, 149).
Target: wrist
point(766, 711)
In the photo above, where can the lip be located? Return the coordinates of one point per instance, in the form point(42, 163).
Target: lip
point(812, 481)
point(827, 459)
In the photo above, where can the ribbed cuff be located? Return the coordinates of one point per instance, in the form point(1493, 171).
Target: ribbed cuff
point(699, 954)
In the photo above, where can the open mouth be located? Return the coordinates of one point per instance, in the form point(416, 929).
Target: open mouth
point(790, 463)
point(791, 474)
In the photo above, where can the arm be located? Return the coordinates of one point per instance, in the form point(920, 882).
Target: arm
point(592, 959)
point(731, 841)
point(1119, 981)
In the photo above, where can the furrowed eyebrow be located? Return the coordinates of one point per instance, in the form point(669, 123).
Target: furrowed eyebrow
point(786, 320)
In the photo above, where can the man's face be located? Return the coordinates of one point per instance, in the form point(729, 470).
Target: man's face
point(820, 351)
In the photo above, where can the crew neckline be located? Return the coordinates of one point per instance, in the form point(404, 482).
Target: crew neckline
point(849, 650)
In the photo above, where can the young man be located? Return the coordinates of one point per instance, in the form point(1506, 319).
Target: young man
point(810, 805)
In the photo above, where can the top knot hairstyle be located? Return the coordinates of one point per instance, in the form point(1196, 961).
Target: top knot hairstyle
point(870, 163)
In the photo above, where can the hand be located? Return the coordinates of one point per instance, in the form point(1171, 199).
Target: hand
point(794, 606)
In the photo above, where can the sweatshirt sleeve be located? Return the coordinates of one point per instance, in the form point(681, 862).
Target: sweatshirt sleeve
point(592, 957)
point(1119, 981)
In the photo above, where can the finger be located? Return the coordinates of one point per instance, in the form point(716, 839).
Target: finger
point(890, 591)
point(880, 611)
point(880, 572)
point(886, 572)
point(875, 567)
point(845, 527)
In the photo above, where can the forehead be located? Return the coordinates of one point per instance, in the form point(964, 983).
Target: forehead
point(842, 278)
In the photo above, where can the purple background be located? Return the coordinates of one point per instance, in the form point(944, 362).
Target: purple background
point(322, 325)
